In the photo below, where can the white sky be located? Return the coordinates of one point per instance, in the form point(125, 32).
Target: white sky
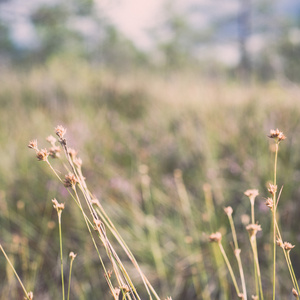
point(133, 17)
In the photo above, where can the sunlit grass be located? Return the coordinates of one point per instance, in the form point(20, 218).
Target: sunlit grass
point(213, 131)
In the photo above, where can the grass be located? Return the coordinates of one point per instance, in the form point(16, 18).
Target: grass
point(212, 132)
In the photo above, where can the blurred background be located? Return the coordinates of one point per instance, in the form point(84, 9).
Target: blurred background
point(193, 86)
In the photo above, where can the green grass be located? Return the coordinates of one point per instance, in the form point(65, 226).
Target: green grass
point(212, 130)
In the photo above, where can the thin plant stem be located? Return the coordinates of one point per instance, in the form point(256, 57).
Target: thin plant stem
point(61, 255)
point(237, 255)
point(70, 273)
point(274, 222)
point(15, 272)
point(257, 268)
point(229, 268)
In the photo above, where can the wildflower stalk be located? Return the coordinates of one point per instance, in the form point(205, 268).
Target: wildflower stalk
point(237, 251)
point(59, 207)
point(274, 223)
point(27, 295)
point(278, 136)
point(72, 256)
point(251, 194)
point(216, 237)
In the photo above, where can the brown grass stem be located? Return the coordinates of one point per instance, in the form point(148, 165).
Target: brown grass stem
point(15, 272)
point(229, 268)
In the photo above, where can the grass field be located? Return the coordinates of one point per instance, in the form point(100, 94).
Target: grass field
point(164, 154)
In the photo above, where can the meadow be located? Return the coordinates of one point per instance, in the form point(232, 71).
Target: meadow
point(164, 154)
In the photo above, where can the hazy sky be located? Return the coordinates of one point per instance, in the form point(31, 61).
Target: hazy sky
point(133, 17)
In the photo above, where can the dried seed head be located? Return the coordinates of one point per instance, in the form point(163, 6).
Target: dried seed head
point(125, 288)
point(237, 252)
point(272, 189)
point(109, 273)
point(215, 237)
point(228, 210)
point(33, 145)
point(279, 243)
point(269, 203)
point(277, 135)
point(72, 255)
point(95, 202)
point(241, 295)
point(295, 293)
point(288, 246)
point(177, 173)
point(42, 155)
point(116, 292)
point(143, 169)
point(254, 297)
point(70, 180)
point(58, 206)
point(51, 139)
point(29, 296)
point(77, 162)
point(253, 229)
point(98, 224)
point(252, 195)
point(54, 152)
point(72, 153)
point(60, 131)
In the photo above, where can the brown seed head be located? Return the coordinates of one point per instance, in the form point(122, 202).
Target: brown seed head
point(70, 180)
point(51, 139)
point(295, 293)
point(77, 162)
point(253, 229)
point(215, 237)
point(109, 273)
point(237, 252)
point(95, 202)
point(60, 131)
point(72, 255)
point(42, 155)
point(277, 135)
point(54, 152)
point(288, 246)
point(116, 291)
point(98, 224)
point(125, 288)
point(241, 296)
point(29, 295)
point(269, 203)
point(279, 243)
point(72, 153)
point(252, 195)
point(272, 189)
point(58, 206)
point(228, 210)
point(33, 145)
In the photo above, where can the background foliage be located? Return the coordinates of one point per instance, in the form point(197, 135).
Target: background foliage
point(167, 109)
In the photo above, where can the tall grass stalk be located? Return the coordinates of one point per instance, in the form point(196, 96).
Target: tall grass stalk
point(28, 295)
point(211, 212)
point(72, 256)
point(59, 208)
point(193, 229)
point(237, 251)
point(274, 221)
point(98, 221)
point(278, 136)
point(217, 237)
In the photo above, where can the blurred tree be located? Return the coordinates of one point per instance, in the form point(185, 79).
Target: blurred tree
point(7, 46)
point(55, 33)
